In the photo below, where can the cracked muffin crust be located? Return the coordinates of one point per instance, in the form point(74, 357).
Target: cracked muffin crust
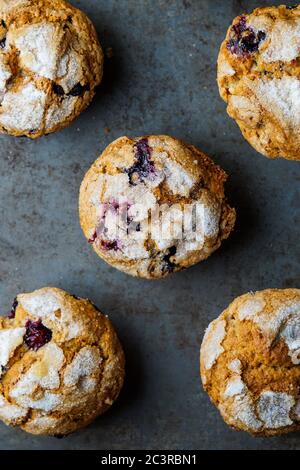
point(138, 195)
point(50, 63)
point(250, 362)
point(61, 363)
point(258, 77)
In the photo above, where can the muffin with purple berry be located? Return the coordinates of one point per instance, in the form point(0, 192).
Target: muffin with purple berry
point(154, 205)
point(258, 77)
point(61, 363)
point(50, 64)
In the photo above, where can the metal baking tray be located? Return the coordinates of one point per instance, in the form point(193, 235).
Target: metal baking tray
point(160, 77)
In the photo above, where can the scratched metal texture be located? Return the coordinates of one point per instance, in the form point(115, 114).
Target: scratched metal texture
point(161, 79)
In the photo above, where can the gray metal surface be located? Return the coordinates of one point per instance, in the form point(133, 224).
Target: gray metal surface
point(162, 79)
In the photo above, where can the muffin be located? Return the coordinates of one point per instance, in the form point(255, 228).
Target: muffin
point(61, 363)
point(250, 362)
point(258, 77)
point(153, 205)
point(50, 64)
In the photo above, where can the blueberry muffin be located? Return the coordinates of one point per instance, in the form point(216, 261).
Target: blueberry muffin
point(258, 76)
point(250, 362)
point(153, 205)
point(61, 363)
point(50, 63)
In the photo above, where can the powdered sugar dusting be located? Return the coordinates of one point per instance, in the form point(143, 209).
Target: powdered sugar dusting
point(57, 113)
point(43, 373)
point(283, 323)
point(178, 179)
point(41, 304)
point(291, 336)
point(39, 47)
point(176, 227)
point(6, 5)
point(42, 423)
point(9, 412)
point(249, 309)
point(30, 100)
point(243, 412)
point(5, 74)
point(88, 384)
point(237, 403)
point(140, 199)
point(282, 96)
point(69, 70)
point(95, 189)
point(212, 343)
point(74, 329)
point(211, 219)
point(284, 42)
point(137, 194)
point(85, 363)
point(10, 339)
point(274, 408)
point(48, 402)
point(235, 366)
point(271, 411)
point(167, 221)
point(234, 387)
point(225, 69)
point(166, 230)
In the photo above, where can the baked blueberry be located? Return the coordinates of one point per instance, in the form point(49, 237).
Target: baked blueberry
point(37, 334)
point(78, 90)
point(58, 90)
point(143, 167)
point(244, 39)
